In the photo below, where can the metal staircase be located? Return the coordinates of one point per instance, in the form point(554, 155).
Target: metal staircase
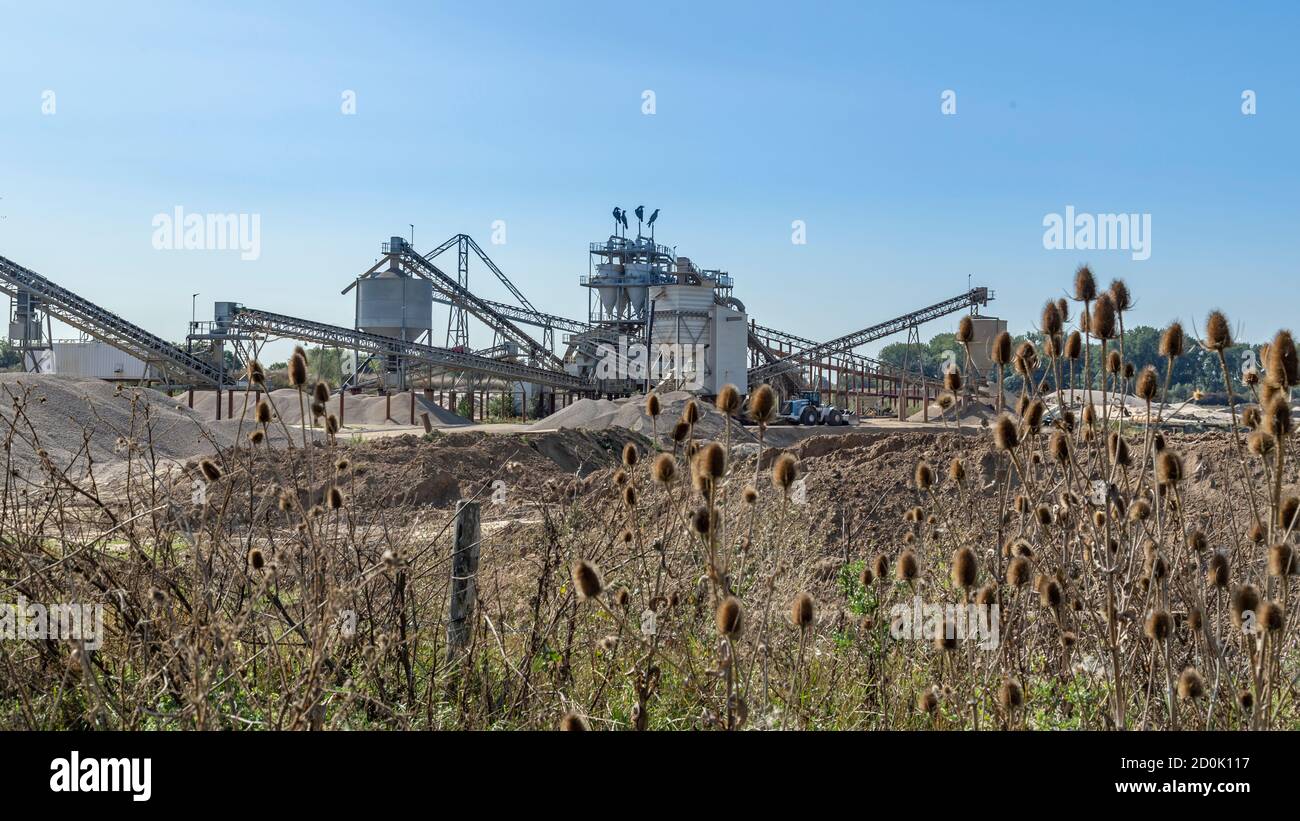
point(103, 324)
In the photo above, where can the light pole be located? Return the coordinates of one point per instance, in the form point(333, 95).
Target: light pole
point(193, 308)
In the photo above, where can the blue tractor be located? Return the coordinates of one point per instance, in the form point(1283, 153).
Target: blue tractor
point(807, 409)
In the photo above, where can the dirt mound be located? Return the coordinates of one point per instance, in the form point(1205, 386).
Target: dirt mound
point(629, 413)
point(392, 471)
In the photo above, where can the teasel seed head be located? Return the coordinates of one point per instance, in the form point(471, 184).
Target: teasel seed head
point(1172, 342)
point(317, 409)
point(1140, 511)
point(957, 470)
point(880, 566)
point(1245, 598)
point(1085, 285)
point(1283, 366)
point(952, 380)
point(1001, 352)
point(572, 722)
point(1005, 435)
point(1018, 572)
point(802, 611)
point(331, 424)
point(1255, 533)
point(1287, 510)
point(298, 368)
point(1197, 541)
point(1120, 295)
point(257, 436)
point(1050, 323)
point(1271, 616)
point(1281, 559)
point(1034, 415)
point(1059, 445)
point(729, 616)
point(1277, 417)
point(923, 476)
point(629, 496)
point(1245, 700)
point(1190, 684)
point(963, 568)
point(928, 702)
point(1026, 359)
point(965, 330)
point(1103, 317)
point(1054, 346)
point(702, 521)
point(256, 374)
point(762, 402)
point(1169, 468)
point(906, 568)
point(652, 406)
point(1118, 448)
point(987, 595)
point(210, 470)
point(680, 431)
point(586, 579)
point(1218, 334)
point(1114, 363)
point(1148, 382)
point(784, 472)
point(866, 577)
point(1157, 625)
point(750, 494)
point(728, 400)
point(691, 412)
point(1051, 595)
point(712, 461)
point(256, 560)
point(263, 412)
point(321, 393)
point(664, 468)
point(1074, 345)
point(1010, 695)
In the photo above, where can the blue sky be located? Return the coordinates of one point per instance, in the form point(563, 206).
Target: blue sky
point(765, 114)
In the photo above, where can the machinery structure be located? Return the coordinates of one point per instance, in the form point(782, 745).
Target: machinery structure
point(655, 320)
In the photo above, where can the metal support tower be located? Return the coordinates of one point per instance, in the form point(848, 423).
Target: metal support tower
point(457, 316)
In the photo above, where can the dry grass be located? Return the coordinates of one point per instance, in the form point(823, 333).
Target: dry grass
point(1142, 580)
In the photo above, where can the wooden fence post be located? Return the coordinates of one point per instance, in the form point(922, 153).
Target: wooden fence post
point(464, 569)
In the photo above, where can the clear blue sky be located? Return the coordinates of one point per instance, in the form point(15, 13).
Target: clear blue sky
point(766, 113)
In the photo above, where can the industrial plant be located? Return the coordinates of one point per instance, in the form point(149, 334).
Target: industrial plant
point(655, 321)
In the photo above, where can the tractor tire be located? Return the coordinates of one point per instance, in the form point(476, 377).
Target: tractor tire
point(837, 418)
point(809, 416)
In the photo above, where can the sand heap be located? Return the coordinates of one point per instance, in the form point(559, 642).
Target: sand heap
point(629, 413)
point(77, 421)
point(359, 410)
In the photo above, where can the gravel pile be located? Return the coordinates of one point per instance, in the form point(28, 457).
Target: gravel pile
point(629, 413)
point(79, 421)
point(359, 410)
